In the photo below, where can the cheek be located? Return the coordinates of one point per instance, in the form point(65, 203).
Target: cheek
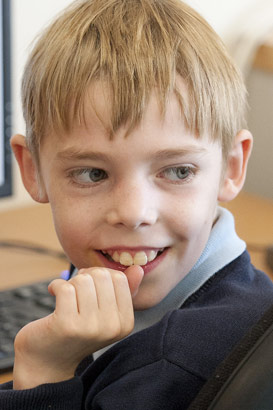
point(71, 226)
point(78, 242)
point(192, 215)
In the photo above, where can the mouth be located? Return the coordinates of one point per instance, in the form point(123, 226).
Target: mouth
point(122, 259)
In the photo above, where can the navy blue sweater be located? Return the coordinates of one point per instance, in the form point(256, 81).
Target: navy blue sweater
point(165, 365)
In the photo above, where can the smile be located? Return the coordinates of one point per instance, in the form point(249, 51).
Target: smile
point(129, 257)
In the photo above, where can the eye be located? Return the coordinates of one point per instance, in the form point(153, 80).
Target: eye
point(178, 173)
point(88, 175)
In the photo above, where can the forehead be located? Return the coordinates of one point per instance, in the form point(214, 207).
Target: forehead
point(157, 136)
point(99, 110)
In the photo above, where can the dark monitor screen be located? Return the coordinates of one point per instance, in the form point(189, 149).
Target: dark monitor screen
point(5, 100)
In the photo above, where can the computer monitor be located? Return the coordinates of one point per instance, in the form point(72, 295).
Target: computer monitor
point(5, 100)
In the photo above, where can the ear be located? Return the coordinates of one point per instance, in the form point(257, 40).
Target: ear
point(28, 169)
point(236, 166)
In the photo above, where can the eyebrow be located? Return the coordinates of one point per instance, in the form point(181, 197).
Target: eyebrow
point(179, 152)
point(72, 154)
point(75, 154)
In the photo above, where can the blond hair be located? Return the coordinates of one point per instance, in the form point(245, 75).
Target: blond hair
point(135, 46)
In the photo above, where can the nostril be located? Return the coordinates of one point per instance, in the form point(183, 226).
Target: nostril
point(132, 206)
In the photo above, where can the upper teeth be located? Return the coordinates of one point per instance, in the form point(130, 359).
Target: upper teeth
point(140, 258)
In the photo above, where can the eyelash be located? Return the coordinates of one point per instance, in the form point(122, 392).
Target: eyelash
point(74, 174)
point(188, 169)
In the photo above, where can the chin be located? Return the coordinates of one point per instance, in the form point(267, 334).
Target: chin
point(143, 302)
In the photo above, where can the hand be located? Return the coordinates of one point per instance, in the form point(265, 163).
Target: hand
point(93, 310)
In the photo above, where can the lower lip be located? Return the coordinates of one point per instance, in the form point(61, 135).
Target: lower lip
point(147, 268)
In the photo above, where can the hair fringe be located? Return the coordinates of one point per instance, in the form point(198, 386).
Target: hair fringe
point(135, 47)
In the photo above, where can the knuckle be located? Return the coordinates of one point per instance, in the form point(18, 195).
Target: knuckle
point(119, 277)
point(82, 279)
point(56, 282)
point(68, 288)
point(84, 271)
point(100, 273)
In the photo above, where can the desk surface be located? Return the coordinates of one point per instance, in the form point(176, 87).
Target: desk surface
point(253, 218)
point(32, 225)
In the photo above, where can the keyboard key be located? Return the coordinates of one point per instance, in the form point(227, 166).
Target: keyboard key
point(25, 293)
point(18, 307)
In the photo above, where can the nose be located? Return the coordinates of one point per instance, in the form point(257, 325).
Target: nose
point(132, 205)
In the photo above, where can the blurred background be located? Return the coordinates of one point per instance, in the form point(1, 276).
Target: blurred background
point(246, 26)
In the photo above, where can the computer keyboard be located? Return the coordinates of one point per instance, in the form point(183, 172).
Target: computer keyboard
point(19, 306)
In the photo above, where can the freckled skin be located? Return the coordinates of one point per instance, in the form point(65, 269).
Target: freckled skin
point(140, 199)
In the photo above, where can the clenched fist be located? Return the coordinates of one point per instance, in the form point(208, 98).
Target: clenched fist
point(93, 310)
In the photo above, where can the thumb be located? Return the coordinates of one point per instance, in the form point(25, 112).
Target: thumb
point(134, 275)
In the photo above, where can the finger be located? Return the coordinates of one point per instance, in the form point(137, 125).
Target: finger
point(124, 302)
point(66, 301)
point(122, 294)
point(134, 275)
point(85, 293)
point(106, 298)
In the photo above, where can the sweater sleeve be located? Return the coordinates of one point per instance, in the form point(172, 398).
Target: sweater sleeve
point(56, 396)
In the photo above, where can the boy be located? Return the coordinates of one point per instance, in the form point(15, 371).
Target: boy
point(134, 132)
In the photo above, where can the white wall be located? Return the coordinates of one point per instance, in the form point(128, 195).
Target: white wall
point(222, 14)
point(30, 16)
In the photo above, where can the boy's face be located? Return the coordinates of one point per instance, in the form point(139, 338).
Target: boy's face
point(150, 195)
